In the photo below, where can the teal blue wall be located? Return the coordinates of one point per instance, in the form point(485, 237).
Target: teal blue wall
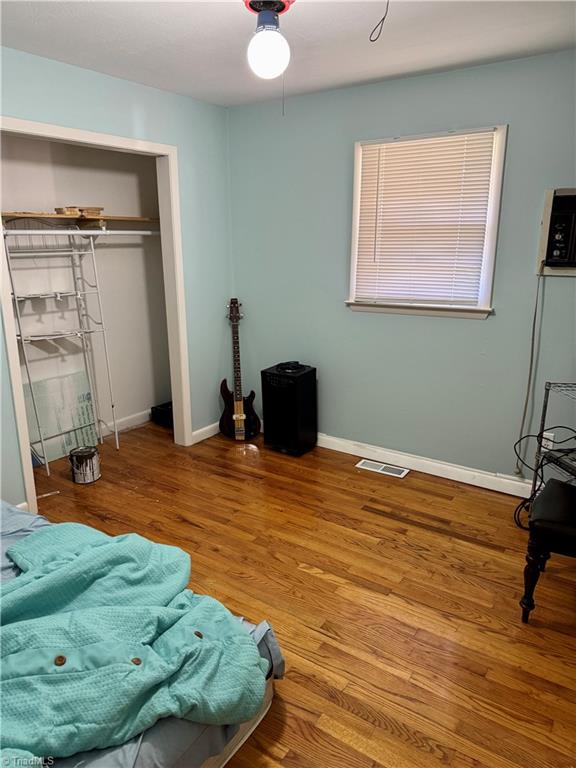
point(35, 88)
point(266, 211)
point(11, 478)
point(445, 388)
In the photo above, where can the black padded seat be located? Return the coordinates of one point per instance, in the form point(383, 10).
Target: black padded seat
point(553, 517)
point(552, 529)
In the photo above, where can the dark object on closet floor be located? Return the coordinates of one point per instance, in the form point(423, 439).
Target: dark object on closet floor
point(289, 407)
point(552, 529)
point(162, 415)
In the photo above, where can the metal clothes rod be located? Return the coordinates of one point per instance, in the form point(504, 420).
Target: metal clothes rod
point(64, 251)
point(22, 253)
point(81, 232)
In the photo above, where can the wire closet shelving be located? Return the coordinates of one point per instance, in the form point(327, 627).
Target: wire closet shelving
point(72, 239)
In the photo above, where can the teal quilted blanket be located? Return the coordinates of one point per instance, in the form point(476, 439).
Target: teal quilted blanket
point(100, 638)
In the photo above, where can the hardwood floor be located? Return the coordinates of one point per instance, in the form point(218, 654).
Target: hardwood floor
point(395, 601)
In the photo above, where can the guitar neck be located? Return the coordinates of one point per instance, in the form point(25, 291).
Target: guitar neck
point(236, 359)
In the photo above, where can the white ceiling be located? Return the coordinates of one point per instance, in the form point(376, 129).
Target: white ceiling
point(199, 48)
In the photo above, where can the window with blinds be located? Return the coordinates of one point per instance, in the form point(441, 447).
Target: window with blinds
point(425, 220)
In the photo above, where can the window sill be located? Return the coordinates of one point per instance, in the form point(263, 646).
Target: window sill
point(436, 310)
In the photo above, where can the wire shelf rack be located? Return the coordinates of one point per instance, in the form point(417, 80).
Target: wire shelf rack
point(560, 459)
point(568, 389)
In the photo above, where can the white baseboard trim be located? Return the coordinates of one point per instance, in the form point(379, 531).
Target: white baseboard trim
point(127, 422)
point(23, 506)
point(479, 477)
point(137, 419)
point(205, 432)
point(492, 480)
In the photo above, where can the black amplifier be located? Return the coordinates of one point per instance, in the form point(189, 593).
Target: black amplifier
point(289, 407)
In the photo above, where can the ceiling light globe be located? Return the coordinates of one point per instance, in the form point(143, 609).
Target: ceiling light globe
point(268, 54)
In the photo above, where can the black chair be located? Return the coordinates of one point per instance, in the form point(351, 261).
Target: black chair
point(552, 529)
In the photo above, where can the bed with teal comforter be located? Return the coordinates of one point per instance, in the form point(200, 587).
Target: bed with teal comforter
point(100, 639)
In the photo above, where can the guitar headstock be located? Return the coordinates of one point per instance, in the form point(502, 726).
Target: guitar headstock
point(234, 314)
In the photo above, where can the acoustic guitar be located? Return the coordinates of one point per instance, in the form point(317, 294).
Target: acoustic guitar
point(239, 419)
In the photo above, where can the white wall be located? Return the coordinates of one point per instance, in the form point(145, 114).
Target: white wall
point(39, 175)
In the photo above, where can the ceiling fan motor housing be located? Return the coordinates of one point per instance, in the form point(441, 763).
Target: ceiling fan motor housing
point(276, 6)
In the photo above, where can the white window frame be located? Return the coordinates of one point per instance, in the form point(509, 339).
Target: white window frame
point(484, 307)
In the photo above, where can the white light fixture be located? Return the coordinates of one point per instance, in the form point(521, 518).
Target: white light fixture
point(268, 51)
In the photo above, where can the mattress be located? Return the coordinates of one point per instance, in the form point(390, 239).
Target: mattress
point(171, 742)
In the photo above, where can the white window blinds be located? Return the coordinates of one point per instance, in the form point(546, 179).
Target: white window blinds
point(425, 220)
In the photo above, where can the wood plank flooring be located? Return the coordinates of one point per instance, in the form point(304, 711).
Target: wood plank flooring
point(395, 601)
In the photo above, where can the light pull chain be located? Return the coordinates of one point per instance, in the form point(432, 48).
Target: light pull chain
point(377, 31)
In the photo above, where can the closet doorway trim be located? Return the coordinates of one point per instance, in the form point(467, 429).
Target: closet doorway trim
point(172, 264)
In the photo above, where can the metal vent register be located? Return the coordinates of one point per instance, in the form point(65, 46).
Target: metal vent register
point(382, 469)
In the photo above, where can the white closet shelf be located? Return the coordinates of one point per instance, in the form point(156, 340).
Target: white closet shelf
point(77, 219)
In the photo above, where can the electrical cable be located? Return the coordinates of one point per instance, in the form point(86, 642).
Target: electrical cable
point(531, 363)
point(538, 471)
point(377, 31)
point(539, 437)
point(526, 504)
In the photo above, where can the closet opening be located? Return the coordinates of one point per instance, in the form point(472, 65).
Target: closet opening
point(93, 307)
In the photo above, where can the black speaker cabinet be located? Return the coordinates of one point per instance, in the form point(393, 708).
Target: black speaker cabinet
point(289, 407)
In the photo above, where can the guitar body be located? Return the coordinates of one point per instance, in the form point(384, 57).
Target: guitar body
point(228, 424)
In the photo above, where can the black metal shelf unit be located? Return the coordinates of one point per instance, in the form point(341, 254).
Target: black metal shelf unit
point(564, 460)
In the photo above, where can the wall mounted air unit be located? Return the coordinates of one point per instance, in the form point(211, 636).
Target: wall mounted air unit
point(558, 233)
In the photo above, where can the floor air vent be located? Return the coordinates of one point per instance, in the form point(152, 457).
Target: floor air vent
point(382, 469)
